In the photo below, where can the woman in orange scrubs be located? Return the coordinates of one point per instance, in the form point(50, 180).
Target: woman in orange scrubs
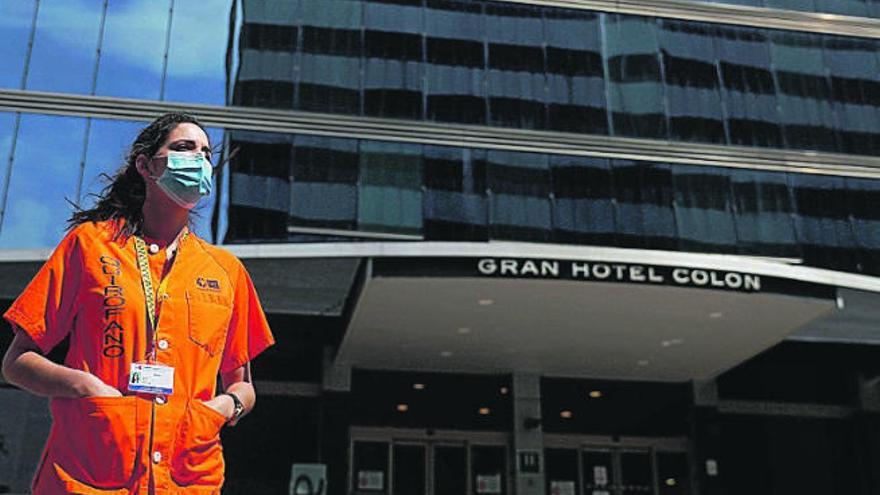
point(153, 315)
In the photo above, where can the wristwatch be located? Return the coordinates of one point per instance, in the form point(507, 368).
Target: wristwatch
point(238, 408)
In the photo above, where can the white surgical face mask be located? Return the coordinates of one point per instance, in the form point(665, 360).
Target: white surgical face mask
point(187, 178)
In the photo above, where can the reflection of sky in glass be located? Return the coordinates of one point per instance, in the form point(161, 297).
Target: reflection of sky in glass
point(16, 17)
point(7, 125)
point(108, 143)
point(132, 49)
point(45, 171)
point(65, 46)
point(197, 52)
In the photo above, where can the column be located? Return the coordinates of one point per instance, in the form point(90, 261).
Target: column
point(528, 436)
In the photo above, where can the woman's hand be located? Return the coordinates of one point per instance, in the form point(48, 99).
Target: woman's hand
point(223, 404)
point(26, 367)
point(91, 386)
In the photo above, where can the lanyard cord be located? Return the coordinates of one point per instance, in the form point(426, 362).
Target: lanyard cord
point(147, 282)
point(140, 248)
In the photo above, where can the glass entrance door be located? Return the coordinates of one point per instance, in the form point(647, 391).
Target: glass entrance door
point(616, 470)
point(421, 466)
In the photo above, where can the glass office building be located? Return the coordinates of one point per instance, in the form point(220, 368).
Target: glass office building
point(510, 247)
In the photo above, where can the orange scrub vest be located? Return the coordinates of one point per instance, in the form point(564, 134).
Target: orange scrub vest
point(210, 321)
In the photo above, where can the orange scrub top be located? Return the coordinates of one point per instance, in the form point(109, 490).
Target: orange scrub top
point(210, 321)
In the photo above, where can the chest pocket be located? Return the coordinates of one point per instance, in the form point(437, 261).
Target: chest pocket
point(209, 315)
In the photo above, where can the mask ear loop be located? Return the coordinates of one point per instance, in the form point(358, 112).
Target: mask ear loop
point(150, 175)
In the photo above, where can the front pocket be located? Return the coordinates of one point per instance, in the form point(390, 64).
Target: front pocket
point(209, 316)
point(95, 441)
point(74, 487)
point(198, 456)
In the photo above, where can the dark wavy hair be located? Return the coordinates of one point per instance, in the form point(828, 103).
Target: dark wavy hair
point(123, 198)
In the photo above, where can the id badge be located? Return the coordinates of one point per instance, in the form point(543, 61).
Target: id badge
point(151, 378)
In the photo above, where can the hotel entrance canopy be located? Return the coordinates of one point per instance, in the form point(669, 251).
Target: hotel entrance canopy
point(575, 311)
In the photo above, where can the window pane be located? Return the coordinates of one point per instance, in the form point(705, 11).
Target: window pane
point(520, 199)
point(265, 79)
point(7, 127)
point(450, 470)
point(488, 470)
point(268, 41)
point(47, 159)
point(455, 194)
point(390, 188)
point(645, 217)
point(673, 473)
point(393, 39)
point(598, 471)
point(454, 75)
point(197, 51)
point(749, 87)
point(634, 79)
point(864, 197)
point(855, 87)
point(370, 468)
point(330, 64)
point(583, 204)
point(65, 46)
point(260, 192)
point(108, 144)
point(324, 190)
point(15, 30)
point(516, 66)
point(575, 73)
point(692, 85)
point(561, 466)
point(704, 209)
point(822, 221)
point(804, 91)
point(133, 49)
point(636, 473)
point(763, 205)
point(409, 469)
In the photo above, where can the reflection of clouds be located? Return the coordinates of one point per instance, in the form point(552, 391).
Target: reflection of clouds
point(69, 21)
point(199, 38)
point(39, 229)
point(133, 47)
point(45, 171)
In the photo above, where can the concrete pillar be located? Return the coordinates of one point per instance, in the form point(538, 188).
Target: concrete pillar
point(707, 467)
point(866, 422)
point(337, 375)
point(528, 435)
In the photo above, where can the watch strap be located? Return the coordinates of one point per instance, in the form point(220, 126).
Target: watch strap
point(238, 409)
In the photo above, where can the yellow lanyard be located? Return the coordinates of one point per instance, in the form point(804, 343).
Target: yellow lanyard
point(140, 248)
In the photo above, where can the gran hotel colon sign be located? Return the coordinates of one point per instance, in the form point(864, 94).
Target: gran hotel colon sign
point(598, 271)
point(619, 272)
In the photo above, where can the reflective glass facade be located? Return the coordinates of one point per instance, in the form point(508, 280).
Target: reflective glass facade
point(284, 185)
point(151, 50)
point(540, 68)
point(857, 8)
point(475, 62)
